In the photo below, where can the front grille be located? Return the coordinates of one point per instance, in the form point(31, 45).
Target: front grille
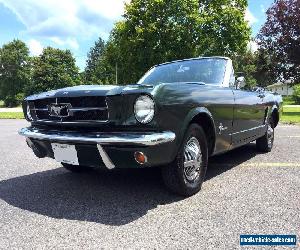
point(81, 109)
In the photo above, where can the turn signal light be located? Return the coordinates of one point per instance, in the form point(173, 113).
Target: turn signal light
point(140, 158)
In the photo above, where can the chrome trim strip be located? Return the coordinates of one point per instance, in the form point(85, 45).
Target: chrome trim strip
point(87, 109)
point(73, 122)
point(227, 73)
point(73, 109)
point(116, 138)
point(39, 109)
point(247, 130)
point(105, 158)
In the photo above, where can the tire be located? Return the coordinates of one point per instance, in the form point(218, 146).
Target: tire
point(265, 143)
point(184, 179)
point(75, 168)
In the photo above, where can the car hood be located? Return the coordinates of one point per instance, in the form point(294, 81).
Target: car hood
point(93, 90)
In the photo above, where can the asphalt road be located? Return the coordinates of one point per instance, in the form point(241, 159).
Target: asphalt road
point(44, 206)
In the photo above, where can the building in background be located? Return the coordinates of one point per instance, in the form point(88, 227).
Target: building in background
point(282, 88)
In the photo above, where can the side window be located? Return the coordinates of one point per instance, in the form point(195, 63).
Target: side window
point(232, 78)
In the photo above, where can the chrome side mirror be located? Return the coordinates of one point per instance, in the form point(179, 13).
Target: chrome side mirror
point(240, 82)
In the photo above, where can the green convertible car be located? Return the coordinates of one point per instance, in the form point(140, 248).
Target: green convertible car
point(176, 116)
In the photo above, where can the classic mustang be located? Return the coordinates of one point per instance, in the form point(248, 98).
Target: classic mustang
point(177, 115)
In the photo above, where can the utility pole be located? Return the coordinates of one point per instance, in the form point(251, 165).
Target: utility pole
point(116, 73)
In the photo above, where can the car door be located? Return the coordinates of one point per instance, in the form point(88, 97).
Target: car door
point(222, 108)
point(249, 115)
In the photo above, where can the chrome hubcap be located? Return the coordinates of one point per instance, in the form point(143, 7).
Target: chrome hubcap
point(270, 135)
point(192, 159)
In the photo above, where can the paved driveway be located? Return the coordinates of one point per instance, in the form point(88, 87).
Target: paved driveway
point(19, 109)
point(42, 205)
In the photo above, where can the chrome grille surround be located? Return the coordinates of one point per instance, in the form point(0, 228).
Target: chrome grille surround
point(81, 109)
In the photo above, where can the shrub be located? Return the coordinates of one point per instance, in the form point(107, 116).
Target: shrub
point(13, 101)
point(296, 94)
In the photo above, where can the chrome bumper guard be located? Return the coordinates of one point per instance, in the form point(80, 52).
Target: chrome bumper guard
point(101, 138)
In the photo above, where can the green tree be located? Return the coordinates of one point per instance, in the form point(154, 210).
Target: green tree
point(224, 30)
point(94, 71)
point(246, 64)
point(155, 31)
point(14, 71)
point(53, 69)
point(266, 68)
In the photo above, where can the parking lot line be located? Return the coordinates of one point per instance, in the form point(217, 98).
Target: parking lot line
point(271, 164)
point(261, 164)
point(289, 136)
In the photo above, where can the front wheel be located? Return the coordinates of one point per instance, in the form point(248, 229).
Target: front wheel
point(186, 174)
point(265, 143)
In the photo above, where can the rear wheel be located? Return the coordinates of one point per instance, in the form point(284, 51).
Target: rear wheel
point(75, 168)
point(186, 174)
point(265, 143)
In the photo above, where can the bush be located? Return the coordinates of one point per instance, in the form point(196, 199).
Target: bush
point(296, 94)
point(13, 101)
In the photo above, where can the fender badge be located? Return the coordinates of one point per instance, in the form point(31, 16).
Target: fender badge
point(221, 128)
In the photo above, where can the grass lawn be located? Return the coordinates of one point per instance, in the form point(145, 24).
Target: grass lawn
point(11, 115)
point(291, 115)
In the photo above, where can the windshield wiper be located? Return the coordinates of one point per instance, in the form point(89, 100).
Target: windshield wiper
point(201, 83)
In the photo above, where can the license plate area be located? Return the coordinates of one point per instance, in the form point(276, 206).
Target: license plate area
point(65, 153)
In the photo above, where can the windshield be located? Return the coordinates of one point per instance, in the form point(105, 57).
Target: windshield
point(205, 70)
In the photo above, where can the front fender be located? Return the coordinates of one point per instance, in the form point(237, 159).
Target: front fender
point(192, 117)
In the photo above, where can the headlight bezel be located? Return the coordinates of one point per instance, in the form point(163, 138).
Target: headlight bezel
point(144, 119)
point(28, 112)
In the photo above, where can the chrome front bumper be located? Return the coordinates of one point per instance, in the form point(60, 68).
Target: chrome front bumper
point(101, 138)
point(116, 138)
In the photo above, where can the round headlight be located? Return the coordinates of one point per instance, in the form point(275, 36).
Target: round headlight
point(28, 113)
point(144, 109)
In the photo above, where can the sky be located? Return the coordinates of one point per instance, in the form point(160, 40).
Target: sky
point(77, 24)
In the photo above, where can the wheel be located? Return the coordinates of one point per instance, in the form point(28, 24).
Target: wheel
point(265, 143)
point(186, 174)
point(75, 168)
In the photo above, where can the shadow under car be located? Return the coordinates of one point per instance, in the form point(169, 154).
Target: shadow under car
point(113, 198)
